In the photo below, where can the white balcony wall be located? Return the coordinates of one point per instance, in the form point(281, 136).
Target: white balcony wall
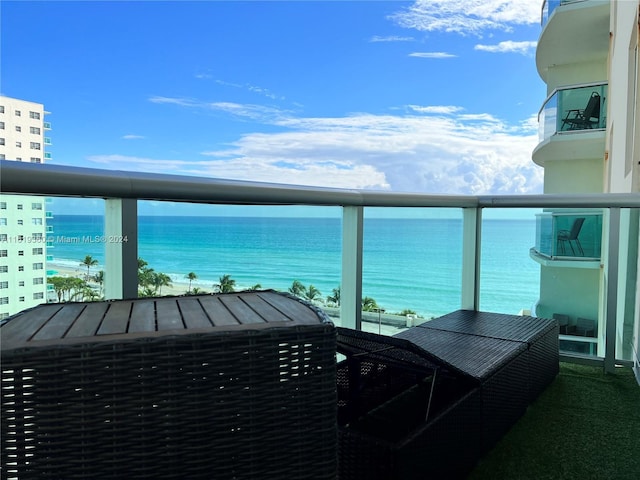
point(624, 103)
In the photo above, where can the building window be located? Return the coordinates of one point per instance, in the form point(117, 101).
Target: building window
point(3, 221)
point(37, 296)
point(1, 125)
point(3, 237)
point(34, 146)
point(21, 283)
point(1, 141)
point(36, 235)
point(38, 266)
point(3, 253)
point(38, 281)
point(21, 238)
point(4, 300)
point(2, 156)
point(21, 253)
point(36, 206)
point(18, 159)
point(18, 128)
point(4, 268)
point(37, 251)
point(34, 130)
point(35, 115)
point(36, 160)
point(18, 113)
point(4, 284)
point(36, 221)
point(3, 205)
point(20, 222)
point(20, 206)
point(18, 144)
point(21, 268)
point(21, 299)
point(1, 108)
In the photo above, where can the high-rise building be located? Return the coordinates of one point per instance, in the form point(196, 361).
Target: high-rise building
point(587, 55)
point(23, 218)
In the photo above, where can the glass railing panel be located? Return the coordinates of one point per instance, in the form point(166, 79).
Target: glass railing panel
point(572, 110)
point(412, 266)
point(547, 118)
point(569, 235)
point(582, 108)
point(549, 6)
point(628, 341)
point(75, 250)
point(41, 257)
point(214, 248)
point(509, 280)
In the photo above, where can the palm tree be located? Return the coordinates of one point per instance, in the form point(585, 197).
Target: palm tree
point(312, 293)
point(99, 279)
point(197, 290)
point(226, 285)
point(160, 280)
point(298, 289)
point(191, 276)
point(369, 305)
point(58, 286)
point(335, 296)
point(257, 286)
point(89, 262)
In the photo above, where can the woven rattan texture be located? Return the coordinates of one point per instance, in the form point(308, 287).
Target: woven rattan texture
point(491, 367)
point(243, 405)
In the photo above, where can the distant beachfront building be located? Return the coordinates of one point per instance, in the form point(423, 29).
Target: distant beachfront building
point(587, 55)
point(23, 218)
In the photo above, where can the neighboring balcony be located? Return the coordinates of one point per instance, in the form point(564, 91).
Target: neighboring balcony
point(572, 123)
point(574, 237)
point(572, 32)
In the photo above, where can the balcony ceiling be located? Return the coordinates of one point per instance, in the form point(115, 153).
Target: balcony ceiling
point(575, 33)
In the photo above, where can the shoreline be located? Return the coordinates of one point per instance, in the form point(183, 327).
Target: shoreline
point(176, 288)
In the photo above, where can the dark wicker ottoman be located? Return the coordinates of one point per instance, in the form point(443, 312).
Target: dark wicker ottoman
point(539, 334)
point(512, 357)
point(238, 386)
point(403, 413)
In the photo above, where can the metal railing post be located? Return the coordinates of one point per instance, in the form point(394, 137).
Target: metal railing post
point(471, 244)
point(611, 290)
point(351, 285)
point(121, 248)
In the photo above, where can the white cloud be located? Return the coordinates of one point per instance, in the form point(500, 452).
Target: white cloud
point(467, 16)
point(431, 55)
point(509, 46)
point(439, 149)
point(132, 137)
point(246, 110)
point(391, 38)
point(442, 109)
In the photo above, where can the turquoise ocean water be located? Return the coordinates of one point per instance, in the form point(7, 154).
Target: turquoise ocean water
point(407, 263)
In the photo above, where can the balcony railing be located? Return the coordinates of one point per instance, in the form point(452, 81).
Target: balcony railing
point(548, 7)
point(123, 190)
point(573, 110)
point(569, 235)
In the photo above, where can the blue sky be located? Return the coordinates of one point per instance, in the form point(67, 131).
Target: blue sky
point(425, 96)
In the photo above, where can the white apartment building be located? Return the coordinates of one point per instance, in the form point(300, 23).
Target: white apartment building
point(23, 218)
point(588, 57)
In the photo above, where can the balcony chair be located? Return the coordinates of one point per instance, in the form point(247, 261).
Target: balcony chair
point(563, 324)
point(577, 119)
point(569, 236)
point(585, 327)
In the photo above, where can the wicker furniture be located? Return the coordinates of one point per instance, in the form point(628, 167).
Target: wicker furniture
point(474, 372)
point(235, 386)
